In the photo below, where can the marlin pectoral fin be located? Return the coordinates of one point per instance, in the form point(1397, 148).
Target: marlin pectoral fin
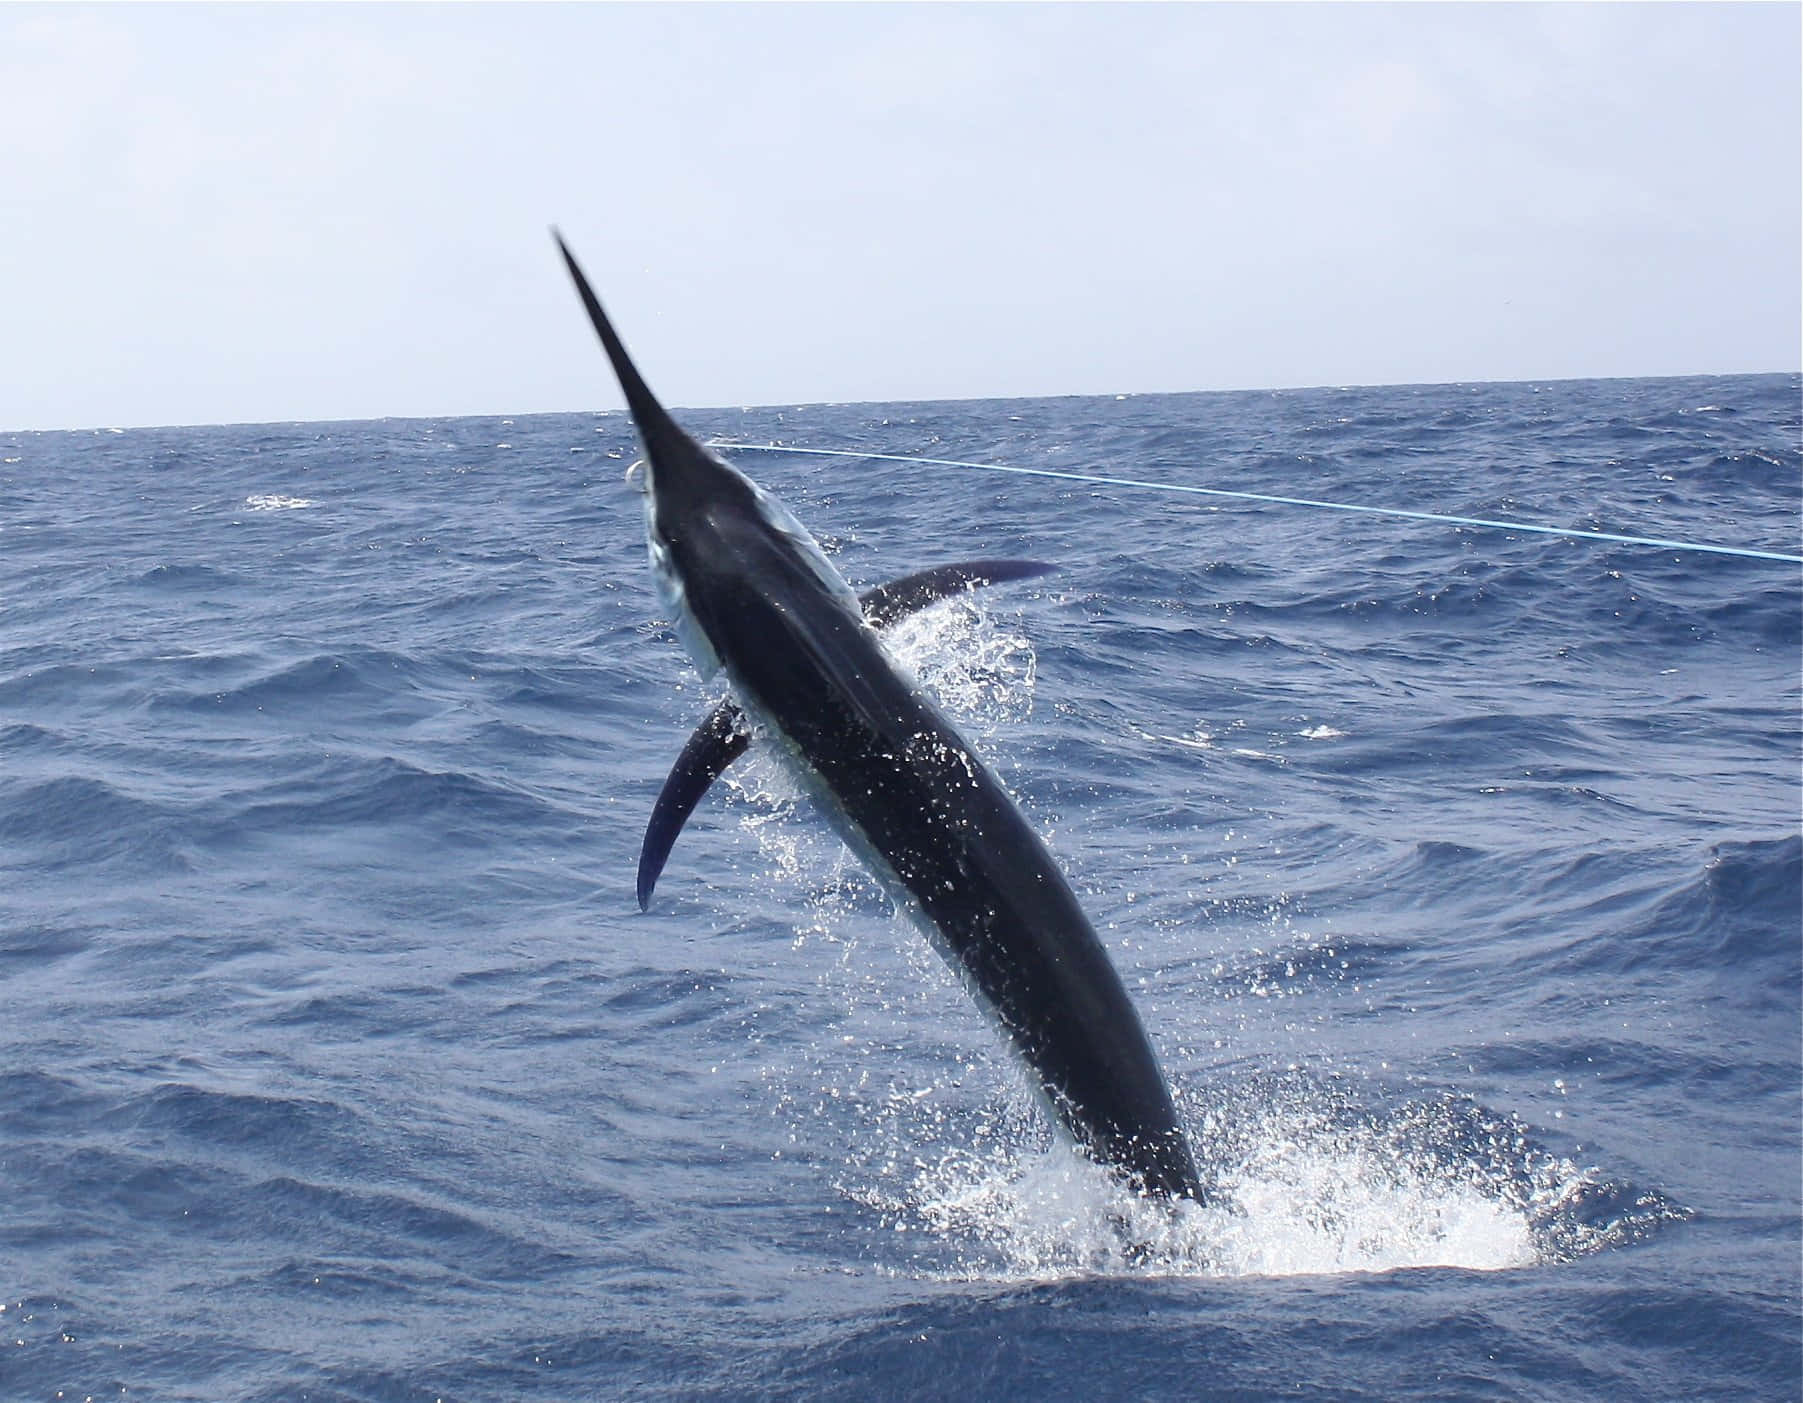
point(723, 736)
point(717, 742)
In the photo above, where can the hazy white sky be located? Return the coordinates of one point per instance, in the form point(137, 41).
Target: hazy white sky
point(243, 213)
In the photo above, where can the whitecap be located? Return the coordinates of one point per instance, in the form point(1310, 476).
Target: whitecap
point(275, 502)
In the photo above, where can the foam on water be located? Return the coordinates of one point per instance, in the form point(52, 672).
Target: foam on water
point(1303, 1181)
point(1299, 1206)
point(275, 502)
point(1304, 1185)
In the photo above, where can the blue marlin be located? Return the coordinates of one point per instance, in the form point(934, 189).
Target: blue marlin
point(752, 594)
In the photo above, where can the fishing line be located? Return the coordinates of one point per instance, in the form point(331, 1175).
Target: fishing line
point(1097, 479)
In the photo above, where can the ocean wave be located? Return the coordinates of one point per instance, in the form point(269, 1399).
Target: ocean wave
point(1454, 871)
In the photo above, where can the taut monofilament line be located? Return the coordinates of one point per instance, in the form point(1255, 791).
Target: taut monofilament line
point(1185, 489)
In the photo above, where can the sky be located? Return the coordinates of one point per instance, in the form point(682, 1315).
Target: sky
point(252, 213)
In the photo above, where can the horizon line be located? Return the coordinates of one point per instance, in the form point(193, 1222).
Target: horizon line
point(940, 399)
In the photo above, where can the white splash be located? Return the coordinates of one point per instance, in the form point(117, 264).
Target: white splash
point(1309, 1199)
point(1297, 1189)
point(275, 502)
point(982, 676)
point(1198, 738)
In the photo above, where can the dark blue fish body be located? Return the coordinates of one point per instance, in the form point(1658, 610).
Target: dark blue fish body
point(754, 595)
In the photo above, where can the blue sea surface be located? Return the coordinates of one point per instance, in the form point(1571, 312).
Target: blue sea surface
point(1455, 872)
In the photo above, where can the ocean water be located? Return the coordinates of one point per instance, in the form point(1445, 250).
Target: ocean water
point(1455, 871)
